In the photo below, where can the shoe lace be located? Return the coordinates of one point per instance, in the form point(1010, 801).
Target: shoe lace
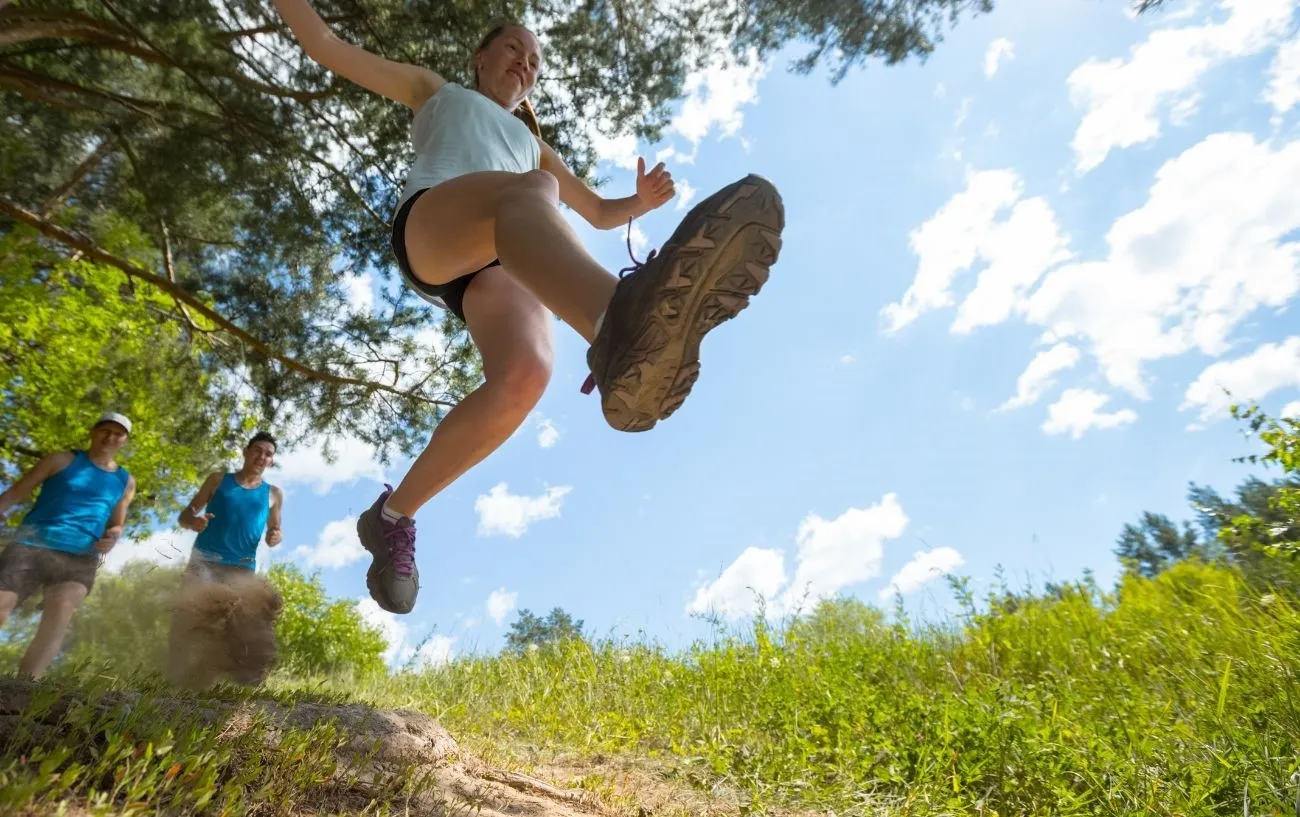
point(589, 384)
point(401, 546)
point(636, 265)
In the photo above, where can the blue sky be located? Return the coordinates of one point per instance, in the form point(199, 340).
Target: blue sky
point(1014, 281)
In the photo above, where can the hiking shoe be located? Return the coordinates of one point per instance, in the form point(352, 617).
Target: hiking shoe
point(645, 358)
point(393, 579)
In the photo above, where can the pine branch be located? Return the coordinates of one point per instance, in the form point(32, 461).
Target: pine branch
point(88, 248)
point(18, 27)
point(79, 174)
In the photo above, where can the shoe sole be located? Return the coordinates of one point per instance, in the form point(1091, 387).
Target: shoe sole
point(730, 242)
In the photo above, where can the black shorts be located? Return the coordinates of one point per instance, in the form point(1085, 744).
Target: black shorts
point(450, 295)
point(25, 569)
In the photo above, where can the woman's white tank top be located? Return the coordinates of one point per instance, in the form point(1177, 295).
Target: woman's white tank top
point(459, 130)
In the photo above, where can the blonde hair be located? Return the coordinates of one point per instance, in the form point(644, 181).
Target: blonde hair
point(529, 114)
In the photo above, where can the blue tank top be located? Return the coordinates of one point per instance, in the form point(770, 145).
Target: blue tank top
point(238, 520)
point(73, 507)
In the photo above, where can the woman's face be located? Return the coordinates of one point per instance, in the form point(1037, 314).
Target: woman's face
point(508, 66)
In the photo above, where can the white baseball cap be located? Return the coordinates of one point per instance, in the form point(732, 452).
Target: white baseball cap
point(114, 417)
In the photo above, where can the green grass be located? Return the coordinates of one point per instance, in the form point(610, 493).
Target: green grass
point(1173, 696)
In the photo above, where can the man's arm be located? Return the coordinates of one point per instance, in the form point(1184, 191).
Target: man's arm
point(189, 517)
point(273, 535)
point(46, 467)
point(117, 520)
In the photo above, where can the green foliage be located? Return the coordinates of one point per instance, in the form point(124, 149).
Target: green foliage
point(317, 635)
point(1155, 543)
point(73, 343)
point(1275, 528)
point(122, 626)
point(123, 623)
point(120, 747)
point(1258, 531)
point(256, 181)
point(529, 630)
point(1169, 696)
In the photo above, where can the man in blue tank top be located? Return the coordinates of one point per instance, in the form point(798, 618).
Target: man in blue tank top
point(77, 517)
point(231, 511)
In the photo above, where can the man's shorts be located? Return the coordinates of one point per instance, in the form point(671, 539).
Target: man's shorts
point(200, 569)
point(25, 569)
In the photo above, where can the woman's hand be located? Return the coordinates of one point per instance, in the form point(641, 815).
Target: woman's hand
point(653, 188)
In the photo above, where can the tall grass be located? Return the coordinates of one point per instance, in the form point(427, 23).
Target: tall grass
point(1170, 696)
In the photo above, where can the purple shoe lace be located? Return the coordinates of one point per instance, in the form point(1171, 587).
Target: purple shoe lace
point(401, 545)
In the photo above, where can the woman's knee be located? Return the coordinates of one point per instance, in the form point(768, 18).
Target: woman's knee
point(533, 187)
point(522, 378)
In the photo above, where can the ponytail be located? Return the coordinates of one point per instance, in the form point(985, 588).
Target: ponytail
point(530, 118)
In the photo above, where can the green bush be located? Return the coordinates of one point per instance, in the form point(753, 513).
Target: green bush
point(320, 636)
point(122, 626)
point(1168, 696)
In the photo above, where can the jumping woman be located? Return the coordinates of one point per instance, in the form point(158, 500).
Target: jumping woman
point(478, 231)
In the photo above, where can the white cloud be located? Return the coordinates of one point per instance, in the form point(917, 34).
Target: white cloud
point(500, 603)
point(638, 239)
point(170, 548)
point(949, 242)
point(1123, 99)
point(501, 512)
point(435, 651)
point(620, 150)
point(1204, 252)
point(358, 292)
point(1016, 250)
point(832, 554)
point(848, 360)
point(840, 552)
point(685, 194)
point(392, 627)
point(547, 434)
point(1291, 410)
point(1037, 377)
point(1184, 269)
point(1283, 91)
point(1270, 367)
point(337, 546)
point(307, 465)
point(999, 50)
point(714, 98)
point(963, 112)
point(925, 567)
point(1079, 411)
point(758, 571)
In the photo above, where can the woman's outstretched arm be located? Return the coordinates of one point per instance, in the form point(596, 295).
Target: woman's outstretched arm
point(652, 190)
point(410, 85)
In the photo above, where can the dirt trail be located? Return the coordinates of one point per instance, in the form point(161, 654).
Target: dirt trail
point(383, 741)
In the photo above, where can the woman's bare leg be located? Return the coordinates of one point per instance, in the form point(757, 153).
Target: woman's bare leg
point(466, 223)
point(512, 331)
point(645, 329)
